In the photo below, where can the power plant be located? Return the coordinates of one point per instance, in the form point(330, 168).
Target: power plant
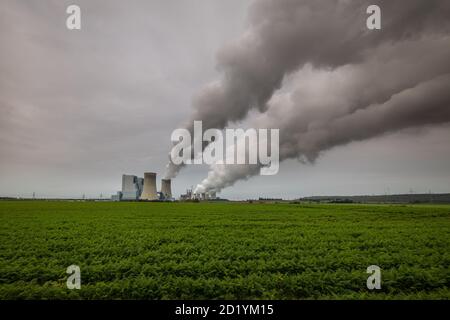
point(135, 188)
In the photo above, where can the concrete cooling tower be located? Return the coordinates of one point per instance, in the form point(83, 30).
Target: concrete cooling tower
point(149, 192)
point(166, 188)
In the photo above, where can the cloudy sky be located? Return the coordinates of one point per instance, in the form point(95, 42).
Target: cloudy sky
point(79, 108)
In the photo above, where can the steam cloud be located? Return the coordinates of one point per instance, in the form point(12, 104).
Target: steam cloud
point(313, 70)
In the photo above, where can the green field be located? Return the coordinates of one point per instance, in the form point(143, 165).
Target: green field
point(223, 250)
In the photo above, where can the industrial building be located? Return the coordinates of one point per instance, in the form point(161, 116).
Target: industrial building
point(131, 187)
point(190, 195)
point(135, 188)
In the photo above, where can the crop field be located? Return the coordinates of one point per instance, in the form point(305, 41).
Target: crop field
point(223, 250)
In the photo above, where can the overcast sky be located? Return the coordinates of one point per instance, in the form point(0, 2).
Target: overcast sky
point(80, 108)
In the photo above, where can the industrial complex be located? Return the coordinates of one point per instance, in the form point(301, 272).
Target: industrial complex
point(135, 188)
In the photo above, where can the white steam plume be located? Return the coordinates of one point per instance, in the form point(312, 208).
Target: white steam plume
point(285, 35)
point(398, 86)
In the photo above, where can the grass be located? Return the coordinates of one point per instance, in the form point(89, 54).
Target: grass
point(222, 250)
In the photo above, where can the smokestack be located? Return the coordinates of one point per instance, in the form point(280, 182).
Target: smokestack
point(166, 188)
point(149, 191)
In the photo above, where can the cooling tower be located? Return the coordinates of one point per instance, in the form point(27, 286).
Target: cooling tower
point(149, 191)
point(166, 188)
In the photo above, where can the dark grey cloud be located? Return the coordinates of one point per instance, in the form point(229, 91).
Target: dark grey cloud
point(284, 35)
point(399, 77)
